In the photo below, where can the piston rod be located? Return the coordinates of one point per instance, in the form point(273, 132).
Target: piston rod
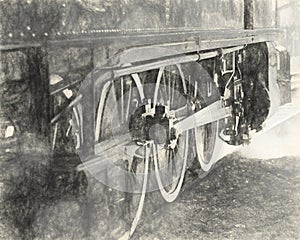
point(209, 114)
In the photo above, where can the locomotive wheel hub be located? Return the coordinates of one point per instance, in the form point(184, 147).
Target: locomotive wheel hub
point(153, 123)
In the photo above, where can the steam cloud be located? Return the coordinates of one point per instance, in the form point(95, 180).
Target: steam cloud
point(283, 140)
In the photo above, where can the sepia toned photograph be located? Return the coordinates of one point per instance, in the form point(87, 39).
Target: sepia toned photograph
point(149, 119)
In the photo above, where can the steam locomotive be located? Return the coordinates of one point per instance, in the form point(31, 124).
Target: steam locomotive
point(154, 84)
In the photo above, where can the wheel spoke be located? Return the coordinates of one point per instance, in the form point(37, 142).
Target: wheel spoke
point(172, 93)
point(122, 99)
point(159, 76)
point(171, 195)
point(139, 85)
point(169, 88)
point(129, 101)
point(182, 78)
point(100, 109)
point(143, 193)
point(165, 83)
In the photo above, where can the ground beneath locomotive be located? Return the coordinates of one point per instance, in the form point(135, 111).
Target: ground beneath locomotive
point(240, 199)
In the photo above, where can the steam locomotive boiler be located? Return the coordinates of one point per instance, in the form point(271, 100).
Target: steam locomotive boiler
point(165, 82)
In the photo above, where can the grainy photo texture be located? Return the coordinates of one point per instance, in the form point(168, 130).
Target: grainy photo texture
point(149, 119)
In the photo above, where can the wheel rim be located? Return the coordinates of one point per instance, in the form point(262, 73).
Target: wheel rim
point(172, 193)
point(169, 91)
point(205, 139)
point(118, 99)
point(205, 135)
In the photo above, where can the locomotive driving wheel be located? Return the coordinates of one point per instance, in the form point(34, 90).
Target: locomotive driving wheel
point(134, 130)
point(170, 156)
point(143, 122)
point(205, 139)
point(201, 114)
point(127, 174)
